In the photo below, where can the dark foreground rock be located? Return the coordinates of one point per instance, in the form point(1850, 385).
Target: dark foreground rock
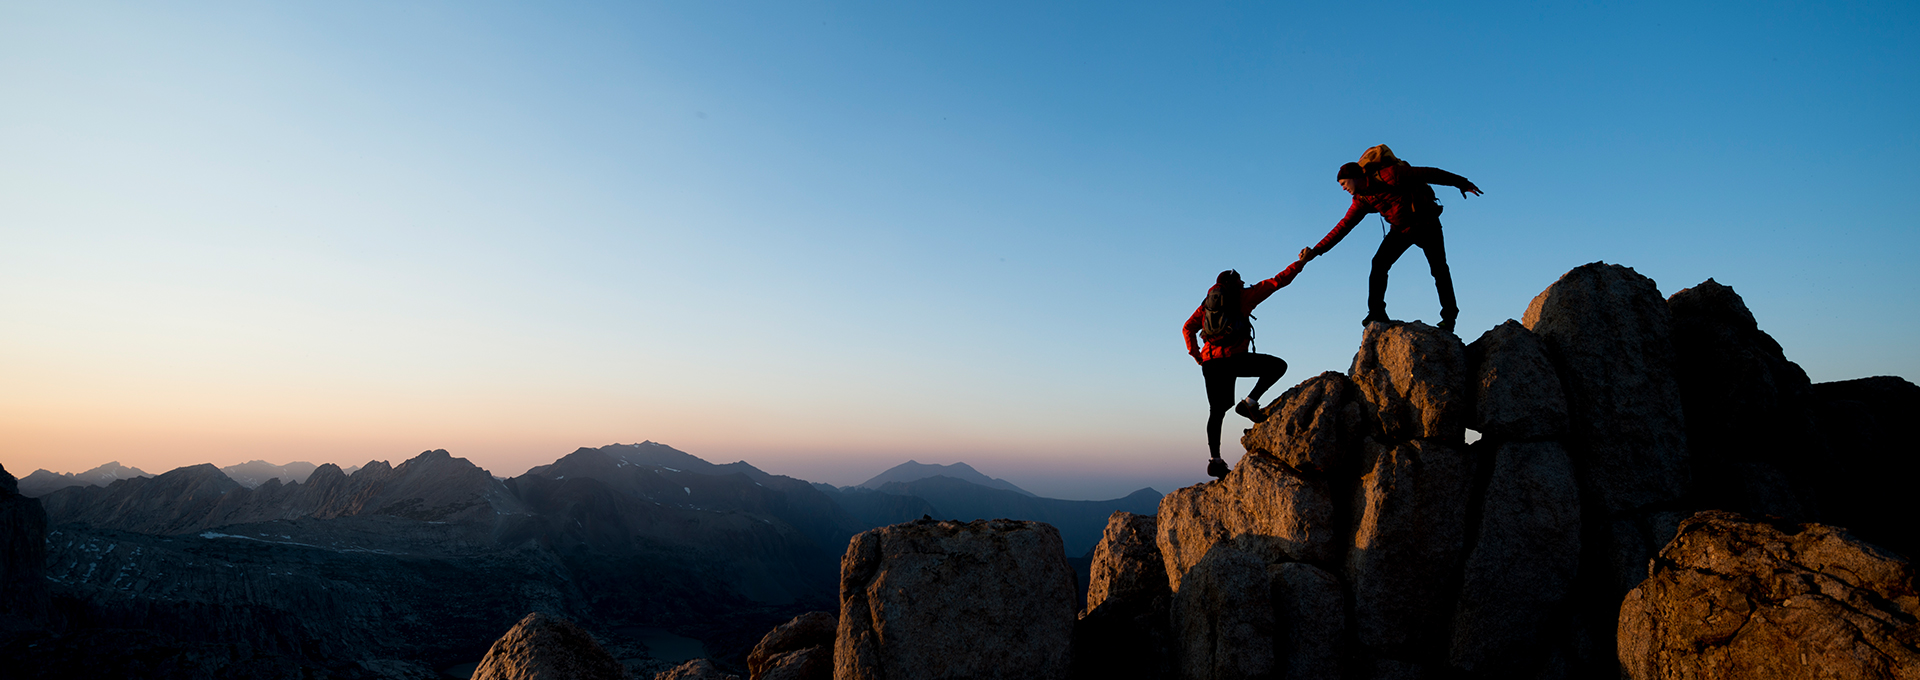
point(801, 649)
point(1516, 392)
point(1124, 630)
point(1223, 619)
point(1735, 598)
point(697, 669)
point(543, 647)
point(24, 598)
point(1520, 572)
point(983, 599)
point(1407, 542)
point(1866, 482)
point(1751, 413)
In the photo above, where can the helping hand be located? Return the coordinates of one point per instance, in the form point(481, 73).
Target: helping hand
point(1467, 188)
point(1306, 255)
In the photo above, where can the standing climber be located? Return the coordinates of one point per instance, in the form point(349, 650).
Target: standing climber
point(1400, 192)
point(1223, 320)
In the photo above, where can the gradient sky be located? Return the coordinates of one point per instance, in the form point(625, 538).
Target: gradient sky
point(829, 237)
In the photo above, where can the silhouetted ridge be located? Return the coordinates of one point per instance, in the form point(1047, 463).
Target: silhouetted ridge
point(911, 471)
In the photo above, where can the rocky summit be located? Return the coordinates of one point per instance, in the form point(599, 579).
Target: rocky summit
point(1361, 536)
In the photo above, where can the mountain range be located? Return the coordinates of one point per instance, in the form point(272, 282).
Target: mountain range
point(249, 474)
point(419, 565)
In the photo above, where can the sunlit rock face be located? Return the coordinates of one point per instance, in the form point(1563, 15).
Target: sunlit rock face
point(800, 649)
point(1731, 597)
point(932, 599)
point(542, 646)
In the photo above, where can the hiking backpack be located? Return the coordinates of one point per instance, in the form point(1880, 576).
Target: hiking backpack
point(1419, 196)
point(1223, 318)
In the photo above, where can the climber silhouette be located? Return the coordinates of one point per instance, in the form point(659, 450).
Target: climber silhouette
point(1400, 192)
point(1223, 320)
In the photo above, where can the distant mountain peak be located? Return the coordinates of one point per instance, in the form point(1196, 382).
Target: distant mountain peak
point(255, 473)
point(43, 482)
point(911, 471)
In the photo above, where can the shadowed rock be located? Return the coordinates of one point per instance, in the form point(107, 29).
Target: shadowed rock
point(1123, 631)
point(543, 647)
point(1315, 427)
point(1415, 377)
point(1520, 572)
point(1516, 393)
point(801, 649)
point(1866, 485)
point(24, 598)
point(1749, 410)
point(1223, 619)
point(1409, 524)
point(1263, 508)
point(1734, 598)
point(1310, 621)
point(983, 599)
point(1609, 333)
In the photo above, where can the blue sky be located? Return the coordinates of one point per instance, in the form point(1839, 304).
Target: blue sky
point(825, 238)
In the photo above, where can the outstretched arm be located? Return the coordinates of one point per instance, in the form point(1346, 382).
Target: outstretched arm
point(1259, 292)
point(1355, 213)
point(1443, 178)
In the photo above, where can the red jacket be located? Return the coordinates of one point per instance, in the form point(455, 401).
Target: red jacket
point(1250, 297)
point(1401, 201)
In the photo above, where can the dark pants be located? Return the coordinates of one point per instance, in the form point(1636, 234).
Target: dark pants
point(1220, 374)
point(1431, 242)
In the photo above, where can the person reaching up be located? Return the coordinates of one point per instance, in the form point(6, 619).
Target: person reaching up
point(1224, 322)
point(1400, 192)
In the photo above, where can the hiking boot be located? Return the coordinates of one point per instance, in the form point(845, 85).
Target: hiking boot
point(1373, 318)
point(1217, 469)
point(1250, 409)
point(1446, 325)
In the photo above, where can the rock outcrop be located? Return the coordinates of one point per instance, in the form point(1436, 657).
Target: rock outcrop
point(1390, 548)
point(1516, 391)
point(1735, 598)
point(1414, 377)
point(1519, 577)
point(542, 647)
point(24, 598)
point(801, 649)
point(1223, 619)
point(928, 599)
point(1317, 426)
point(1263, 508)
point(1610, 335)
point(1127, 566)
point(1408, 539)
point(697, 669)
point(1310, 621)
point(1124, 629)
point(1865, 484)
point(1751, 413)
